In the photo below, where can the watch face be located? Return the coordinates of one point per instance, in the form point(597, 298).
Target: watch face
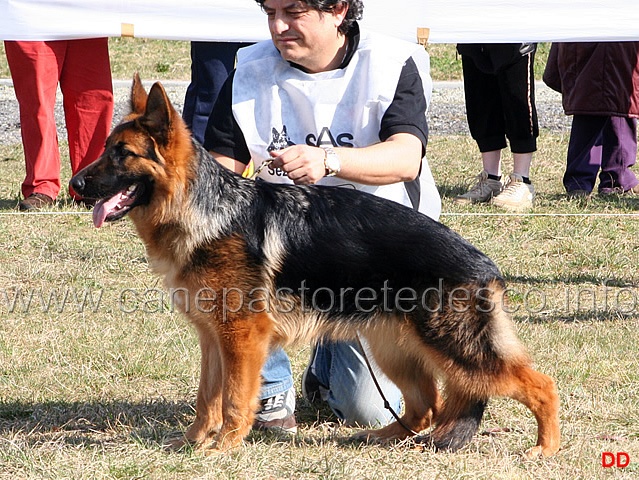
point(331, 162)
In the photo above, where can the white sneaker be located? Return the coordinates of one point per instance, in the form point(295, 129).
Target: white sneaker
point(277, 413)
point(483, 191)
point(516, 195)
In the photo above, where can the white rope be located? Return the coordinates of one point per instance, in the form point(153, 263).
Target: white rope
point(443, 214)
point(8, 214)
point(585, 214)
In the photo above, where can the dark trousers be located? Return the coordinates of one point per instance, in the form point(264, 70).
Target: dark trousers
point(502, 105)
point(601, 142)
point(211, 63)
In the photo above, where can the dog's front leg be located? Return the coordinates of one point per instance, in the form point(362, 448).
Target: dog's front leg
point(244, 345)
point(208, 407)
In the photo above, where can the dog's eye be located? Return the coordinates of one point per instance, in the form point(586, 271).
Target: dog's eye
point(121, 153)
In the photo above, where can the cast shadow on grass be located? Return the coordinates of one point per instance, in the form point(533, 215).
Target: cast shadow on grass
point(571, 299)
point(592, 280)
point(8, 204)
point(152, 424)
point(89, 423)
point(451, 191)
point(624, 202)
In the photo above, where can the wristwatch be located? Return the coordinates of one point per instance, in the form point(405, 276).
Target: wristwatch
point(331, 162)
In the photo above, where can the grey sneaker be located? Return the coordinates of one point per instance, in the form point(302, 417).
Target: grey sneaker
point(277, 413)
point(483, 191)
point(516, 196)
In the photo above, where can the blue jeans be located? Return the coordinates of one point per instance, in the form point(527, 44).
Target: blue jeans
point(350, 390)
point(276, 374)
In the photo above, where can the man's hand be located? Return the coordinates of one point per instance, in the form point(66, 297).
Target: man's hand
point(303, 164)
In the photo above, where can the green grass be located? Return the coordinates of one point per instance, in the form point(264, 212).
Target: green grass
point(170, 60)
point(92, 392)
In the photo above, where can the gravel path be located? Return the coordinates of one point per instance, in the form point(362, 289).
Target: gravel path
point(446, 117)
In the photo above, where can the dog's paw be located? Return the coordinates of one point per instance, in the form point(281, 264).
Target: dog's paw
point(366, 436)
point(539, 452)
point(178, 443)
point(384, 436)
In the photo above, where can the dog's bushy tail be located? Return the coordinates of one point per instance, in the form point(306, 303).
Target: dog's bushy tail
point(456, 425)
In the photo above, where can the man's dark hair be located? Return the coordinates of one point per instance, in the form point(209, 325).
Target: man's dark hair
point(355, 10)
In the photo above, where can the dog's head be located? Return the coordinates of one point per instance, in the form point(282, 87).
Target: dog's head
point(140, 159)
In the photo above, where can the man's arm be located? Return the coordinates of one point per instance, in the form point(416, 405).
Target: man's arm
point(228, 162)
point(397, 159)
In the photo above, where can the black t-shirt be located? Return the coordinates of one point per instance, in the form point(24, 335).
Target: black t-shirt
point(405, 114)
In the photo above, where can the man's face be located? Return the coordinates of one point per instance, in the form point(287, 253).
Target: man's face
point(305, 36)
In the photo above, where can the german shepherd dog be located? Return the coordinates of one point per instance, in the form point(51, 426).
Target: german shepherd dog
point(260, 265)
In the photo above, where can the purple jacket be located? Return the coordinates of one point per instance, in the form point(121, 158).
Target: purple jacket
point(595, 78)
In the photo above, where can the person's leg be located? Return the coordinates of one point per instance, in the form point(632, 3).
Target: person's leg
point(211, 63)
point(484, 109)
point(521, 164)
point(348, 388)
point(277, 376)
point(485, 122)
point(35, 73)
point(619, 153)
point(277, 395)
point(583, 159)
point(87, 92)
point(517, 93)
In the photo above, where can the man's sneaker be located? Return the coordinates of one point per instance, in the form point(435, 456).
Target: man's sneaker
point(483, 191)
point(277, 413)
point(516, 196)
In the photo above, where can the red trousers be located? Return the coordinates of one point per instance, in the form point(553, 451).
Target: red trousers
point(83, 70)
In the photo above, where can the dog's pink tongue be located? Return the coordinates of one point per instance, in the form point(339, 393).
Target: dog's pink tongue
point(105, 207)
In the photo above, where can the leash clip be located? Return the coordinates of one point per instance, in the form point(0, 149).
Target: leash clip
point(259, 169)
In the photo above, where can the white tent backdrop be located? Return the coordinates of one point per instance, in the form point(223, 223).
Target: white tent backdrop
point(449, 21)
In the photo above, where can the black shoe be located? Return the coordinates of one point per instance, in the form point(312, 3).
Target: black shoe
point(619, 191)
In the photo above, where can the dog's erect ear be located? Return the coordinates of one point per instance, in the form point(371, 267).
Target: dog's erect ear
point(138, 96)
point(158, 115)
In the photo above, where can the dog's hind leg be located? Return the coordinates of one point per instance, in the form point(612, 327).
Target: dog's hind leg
point(457, 423)
point(422, 401)
point(463, 411)
point(538, 392)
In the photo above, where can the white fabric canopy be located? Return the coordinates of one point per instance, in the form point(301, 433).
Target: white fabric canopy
point(448, 21)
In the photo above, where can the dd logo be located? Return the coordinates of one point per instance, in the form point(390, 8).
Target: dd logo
point(619, 459)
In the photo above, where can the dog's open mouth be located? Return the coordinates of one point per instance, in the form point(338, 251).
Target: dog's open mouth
point(115, 207)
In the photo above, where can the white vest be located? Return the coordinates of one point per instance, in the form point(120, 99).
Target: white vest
point(277, 105)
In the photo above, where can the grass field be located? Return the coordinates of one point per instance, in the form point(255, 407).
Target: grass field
point(170, 60)
point(96, 370)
